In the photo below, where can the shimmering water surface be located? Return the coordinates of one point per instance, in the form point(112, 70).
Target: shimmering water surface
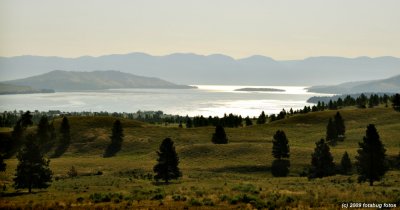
point(214, 100)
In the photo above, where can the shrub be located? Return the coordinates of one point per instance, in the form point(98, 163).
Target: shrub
point(247, 188)
point(208, 202)
point(72, 172)
point(195, 202)
point(178, 198)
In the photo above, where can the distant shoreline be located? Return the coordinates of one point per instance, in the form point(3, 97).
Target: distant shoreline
point(260, 89)
point(26, 92)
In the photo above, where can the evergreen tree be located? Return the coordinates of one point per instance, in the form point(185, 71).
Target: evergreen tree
point(189, 123)
point(345, 164)
point(17, 136)
point(280, 150)
point(219, 137)
point(33, 169)
point(262, 119)
point(26, 119)
point(280, 145)
point(44, 135)
point(116, 139)
point(321, 161)
point(371, 160)
point(65, 138)
point(340, 127)
point(331, 132)
point(361, 101)
point(396, 102)
point(167, 162)
point(248, 121)
point(2, 163)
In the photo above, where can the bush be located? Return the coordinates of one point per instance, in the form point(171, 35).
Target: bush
point(195, 202)
point(107, 197)
point(72, 172)
point(208, 202)
point(178, 198)
point(247, 188)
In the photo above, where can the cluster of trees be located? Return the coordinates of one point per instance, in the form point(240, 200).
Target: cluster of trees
point(45, 136)
point(10, 118)
point(360, 101)
point(335, 130)
point(231, 121)
point(371, 161)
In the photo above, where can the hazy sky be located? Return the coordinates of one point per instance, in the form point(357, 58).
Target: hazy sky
point(281, 29)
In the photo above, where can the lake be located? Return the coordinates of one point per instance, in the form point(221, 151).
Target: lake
point(214, 100)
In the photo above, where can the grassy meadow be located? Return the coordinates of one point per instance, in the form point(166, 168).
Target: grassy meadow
point(235, 175)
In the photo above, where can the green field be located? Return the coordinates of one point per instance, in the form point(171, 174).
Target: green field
point(235, 175)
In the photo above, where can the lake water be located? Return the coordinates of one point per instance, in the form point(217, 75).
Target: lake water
point(214, 100)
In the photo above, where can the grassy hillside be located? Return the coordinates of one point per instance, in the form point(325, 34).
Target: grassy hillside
point(214, 176)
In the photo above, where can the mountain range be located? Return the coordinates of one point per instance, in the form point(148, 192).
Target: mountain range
point(97, 80)
point(187, 68)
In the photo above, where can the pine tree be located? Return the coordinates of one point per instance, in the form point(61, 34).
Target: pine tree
point(33, 169)
point(2, 163)
point(116, 139)
point(371, 160)
point(219, 137)
point(345, 164)
point(167, 162)
point(396, 102)
point(17, 135)
point(280, 145)
point(280, 150)
point(26, 119)
point(44, 135)
point(340, 127)
point(321, 161)
point(189, 123)
point(262, 119)
point(17, 138)
point(331, 132)
point(65, 138)
point(361, 101)
point(248, 121)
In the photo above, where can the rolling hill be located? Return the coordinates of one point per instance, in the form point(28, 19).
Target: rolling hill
point(390, 85)
point(96, 80)
point(214, 176)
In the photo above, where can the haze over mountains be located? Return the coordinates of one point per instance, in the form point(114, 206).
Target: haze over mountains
point(213, 69)
point(97, 80)
point(389, 85)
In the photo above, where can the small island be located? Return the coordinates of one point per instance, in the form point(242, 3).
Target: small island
point(261, 89)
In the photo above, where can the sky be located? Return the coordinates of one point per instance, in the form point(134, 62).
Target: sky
point(281, 29)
